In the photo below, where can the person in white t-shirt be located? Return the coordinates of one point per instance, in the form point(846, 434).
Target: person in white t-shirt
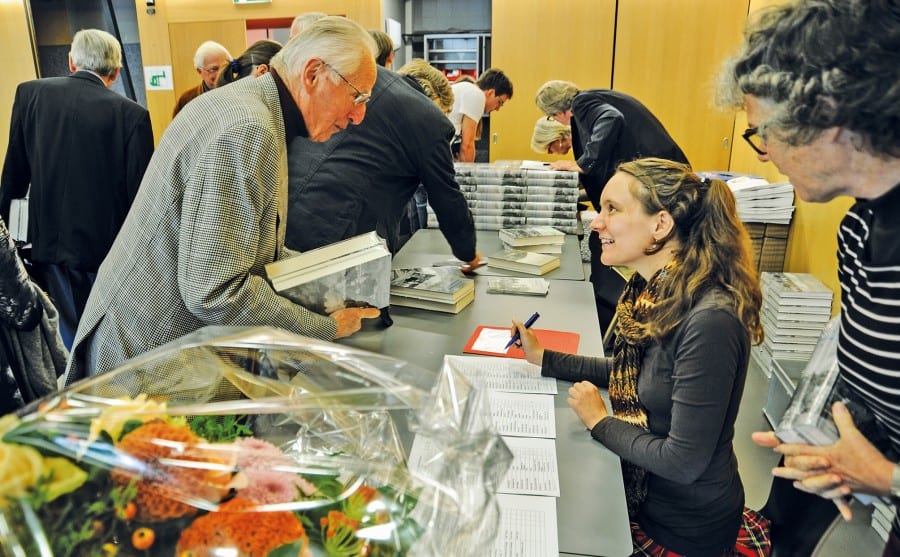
point(471, 101)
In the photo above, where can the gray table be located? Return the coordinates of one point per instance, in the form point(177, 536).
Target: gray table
point(591, 514)
point(428, 246)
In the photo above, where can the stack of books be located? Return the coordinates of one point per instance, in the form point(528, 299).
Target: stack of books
point(758, 200)
point(355, 272)
point(538, 239)
point(882, 514)
point(434, 288)
point(796, 307)
point(524, 261)
point(503, 195)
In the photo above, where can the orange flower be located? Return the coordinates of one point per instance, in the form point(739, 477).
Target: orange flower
point(251, 534)
point(160, 488)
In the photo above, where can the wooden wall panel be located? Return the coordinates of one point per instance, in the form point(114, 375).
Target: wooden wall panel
point(19, 64)
point(668, 53)
point(184, 38)
point(533, 42)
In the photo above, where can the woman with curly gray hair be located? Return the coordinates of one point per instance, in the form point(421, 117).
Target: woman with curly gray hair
point(820, 81)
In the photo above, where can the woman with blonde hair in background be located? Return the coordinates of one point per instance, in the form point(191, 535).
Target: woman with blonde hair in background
point(551, 137)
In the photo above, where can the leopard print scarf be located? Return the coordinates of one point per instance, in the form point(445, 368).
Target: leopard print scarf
point(631, 340)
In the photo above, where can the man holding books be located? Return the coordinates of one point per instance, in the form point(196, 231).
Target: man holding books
point(818, 80)
point(210, 212)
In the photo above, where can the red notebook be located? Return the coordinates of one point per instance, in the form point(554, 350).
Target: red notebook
point(560, 341)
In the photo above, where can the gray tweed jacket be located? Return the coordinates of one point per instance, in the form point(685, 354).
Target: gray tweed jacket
point(208, 216)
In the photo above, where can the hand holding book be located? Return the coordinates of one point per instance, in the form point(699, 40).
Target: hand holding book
point(349, 320)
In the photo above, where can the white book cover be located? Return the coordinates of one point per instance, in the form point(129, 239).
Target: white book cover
point(518, 285)
point(352, 273)
point(794, 285)
point(524, 261)
point(538, 248)
point(432, 283)
point(808, 416)
point(530, 235)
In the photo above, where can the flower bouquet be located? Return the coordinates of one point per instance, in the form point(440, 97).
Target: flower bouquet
point(252, 442)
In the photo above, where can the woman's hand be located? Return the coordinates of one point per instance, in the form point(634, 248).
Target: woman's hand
point(529, 343)
point(349, 320)
point(851, 464)
point(585, 399)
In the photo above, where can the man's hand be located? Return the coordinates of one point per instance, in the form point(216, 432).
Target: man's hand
point(349, 320)
point(566, 165)
point(470, 266)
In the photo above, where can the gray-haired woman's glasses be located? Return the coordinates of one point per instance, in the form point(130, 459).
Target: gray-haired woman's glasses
point(752, 137)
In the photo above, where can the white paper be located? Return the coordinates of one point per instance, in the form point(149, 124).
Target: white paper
point(527, 527)
point(502, 374)
point(534, 469)
point(492, 340)
point(523, 415)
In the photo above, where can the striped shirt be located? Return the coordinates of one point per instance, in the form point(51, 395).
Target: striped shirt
point(869, 343)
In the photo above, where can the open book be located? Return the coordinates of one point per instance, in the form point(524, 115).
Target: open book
point(355, 272)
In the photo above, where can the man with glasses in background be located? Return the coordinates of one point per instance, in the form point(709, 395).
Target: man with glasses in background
point(212, 208)
point(209, 60)
point(471, 100)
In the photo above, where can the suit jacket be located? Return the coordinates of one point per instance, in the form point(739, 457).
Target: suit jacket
point(609, 128)
point(208, 217)
point(363, 178)
point(83, 149)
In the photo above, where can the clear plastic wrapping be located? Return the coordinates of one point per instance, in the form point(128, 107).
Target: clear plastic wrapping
point(252, 442)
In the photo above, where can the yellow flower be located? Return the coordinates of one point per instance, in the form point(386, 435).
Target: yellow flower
point(19, 470)
point(113, 418)
point(64, 476)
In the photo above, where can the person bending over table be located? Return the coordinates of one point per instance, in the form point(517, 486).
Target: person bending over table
point(686, 320)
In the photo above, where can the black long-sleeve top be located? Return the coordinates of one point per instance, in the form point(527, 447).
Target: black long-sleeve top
point(691, 386)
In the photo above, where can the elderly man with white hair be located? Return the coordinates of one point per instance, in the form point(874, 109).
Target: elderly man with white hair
point(209, 60)
point(212, 207)
point(82, 148)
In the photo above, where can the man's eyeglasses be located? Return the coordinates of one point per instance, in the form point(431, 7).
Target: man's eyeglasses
point(752, 137)
point(360, 97)
point(211, 69)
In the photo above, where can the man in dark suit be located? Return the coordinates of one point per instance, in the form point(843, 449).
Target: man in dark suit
point(363, 179)
point(83, 149)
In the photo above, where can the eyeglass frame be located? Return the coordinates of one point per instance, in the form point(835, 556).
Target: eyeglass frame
point(750, 132)
point(360, 97)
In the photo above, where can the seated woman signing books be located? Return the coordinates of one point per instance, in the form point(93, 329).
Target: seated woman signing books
point(686, 320)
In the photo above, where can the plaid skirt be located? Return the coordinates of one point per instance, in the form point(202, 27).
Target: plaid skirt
point(752, 540)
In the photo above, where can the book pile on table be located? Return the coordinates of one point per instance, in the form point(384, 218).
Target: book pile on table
point(796, 307)
point(524, 261)
point(757, 200)
point(434, 288)
point(506, 195)
point(539, 239)
point(882, 515)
